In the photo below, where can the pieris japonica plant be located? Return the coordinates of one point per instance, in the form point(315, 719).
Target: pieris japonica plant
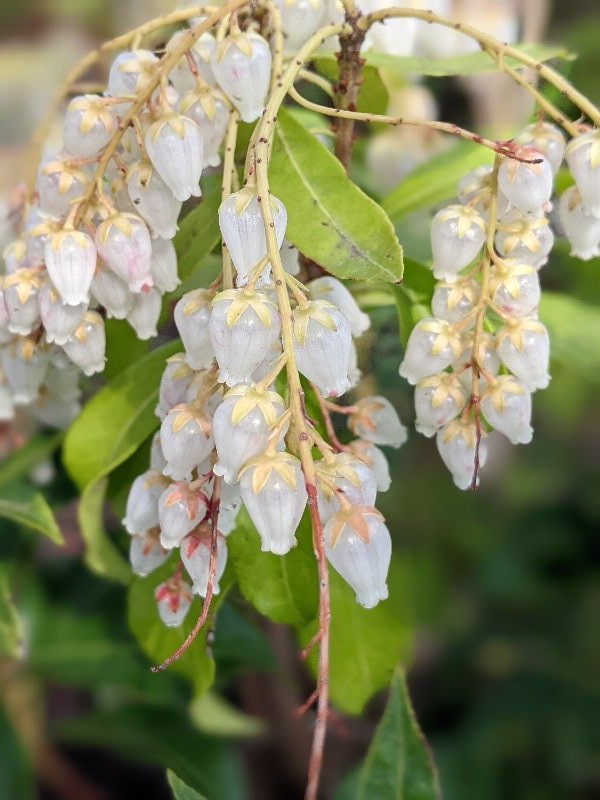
point(245, 417)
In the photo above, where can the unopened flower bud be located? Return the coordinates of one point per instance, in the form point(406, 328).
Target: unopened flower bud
point(89, 126)
point(141, 512)
point(87, 346)
point(191, 315)
point(506, 404)
point(526, 240)
point(24, 365)
point(524, 348)
point(174, 145)
point(457, 445)
point(186, 440)
point(548, 139)
point(173, 599)
point(60, 321)
point(153, 199)
point(112, 293)
point(71, 261)
point(344, 477)
point(21, 300)
point(180, 509)
point(583, 158)
point(241, 64)
point(515, 288)
point(144, 313)
point(432, 346)
point(146, 552)
point(581, 229)
point(527, 185)
point(453, 302)
point(124, 244)
point(377, 421)
point(210, 112)
point(438, 399)
point(322, 341)
point(457, 236)
point(195, 554)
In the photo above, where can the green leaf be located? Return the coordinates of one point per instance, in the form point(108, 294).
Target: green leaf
point(398, 765)
point(469, 64)
point(214, 715)
point(17, 776)
point(435, 181)
point(330, 219)
point(181, 791)
point(574, 329)
point(11, 632)
point(282, 588)
point(123, 347)
point(101, 555)
point(23, 461)
point(34, 513)
point(373, 96)
point(199, 231)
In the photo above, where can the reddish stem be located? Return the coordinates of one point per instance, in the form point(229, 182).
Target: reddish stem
point(331, 434)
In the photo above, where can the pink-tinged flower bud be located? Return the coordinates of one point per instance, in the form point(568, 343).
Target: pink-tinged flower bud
point(229, 507)
point(548, 139)
point(146, 552)
point(528, 241)
point(153, 200)
point(506, 404)
point(344, 476)
point(141, 512)
point(112, 293)
point(334, 291)
point(129, 74)
point(191, 315)
point(174, 146)
point(457, 445)
point(173, 599)
point(59, 320)
point(164, 265)
point(242, 426)
point(358, 546)
point(438, 399)
point(527, 185)
point(515, 288)
point(180, 509)
point(583, 158)
point(299, 20)
point(243, 231)
point(186, 440)
point(375, 460)
point(21, 300)
point(195, 554)
point(273, 490)
point(144, 313)
point(322, 341)
point(24, 365)
point(432, 346)
point(524, 348)
point(241, 63)
point(71, 261)
point(89, 126)
point(87, 346)
point(244, 325)
point(181, 75)
point(377, 421)
point(457, 236)
point(174, 384)
point(210, 112)
point(124, 244)
point(455, 301)
point(581, 229)
point(58, 184)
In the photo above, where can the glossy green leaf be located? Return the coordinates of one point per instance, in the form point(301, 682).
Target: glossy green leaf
point(199, 230)
point(213, 714)
point(283, 588)
point(23, 461)
point(398, 765)
point(181, 791)
point(101, 555)
point(468, 64)
point(574, 329)
point(330, 219)
point(123, 347)
point(34, 513)
point(435, 181)
point(11, 633)
point(17, 776)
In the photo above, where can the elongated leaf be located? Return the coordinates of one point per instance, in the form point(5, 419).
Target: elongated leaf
point(181, 791)
point(23, 461)
point(330, 219)
point(17, 776)
point(574, 329)
point(398, 765)
point(435, 181)
point(214, 715)
point(11, 632)
point(469, 64)
point(34, 513)
point(199, 231)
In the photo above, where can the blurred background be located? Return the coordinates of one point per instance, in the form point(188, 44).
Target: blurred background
point(501, 585)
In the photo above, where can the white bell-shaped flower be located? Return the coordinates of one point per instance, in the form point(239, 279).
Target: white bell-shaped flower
point(548, 139)
point(334, 291)
point(153, 200)
point(322, 340)
point(124, 244)
point(129, 73)
point(180, 508)
point(144, 313)
point(89, 126)
point(7, 406)
point(141, 511)
point(174, 146)
point(229, 507)
point(344, 477)
point(376, 461)
point(242, 425)
point(581, 229)
point(24, 365)
point(164, 265)
point(37, 230)
point(358, 546)
point(241, 63)
point(524, 348)
point(432, 346)
point(457, 445)
point(483, 353)
point(506, 404)
point(71, 262)
point(515, 288)
point(21, 300)
point(209, 110)
point(457, 236)
point(173, 599)
point(583, 158)
point(59, 183)
point(455, 301)
point(525, 239)
point(60, 321)
point(174, 384)
point(527, 185)
point(274, 493)
point(191, 316)
point(195, 554)
point(377, 421)
point(290, 258)
point(438, 399)
point(112, 293)
point(181, 75)
point(146, 552)
point(243, 230)
point(299, 20)
point(186, 440)
point(244, 325)
point(157, 457)
point(87, 346)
